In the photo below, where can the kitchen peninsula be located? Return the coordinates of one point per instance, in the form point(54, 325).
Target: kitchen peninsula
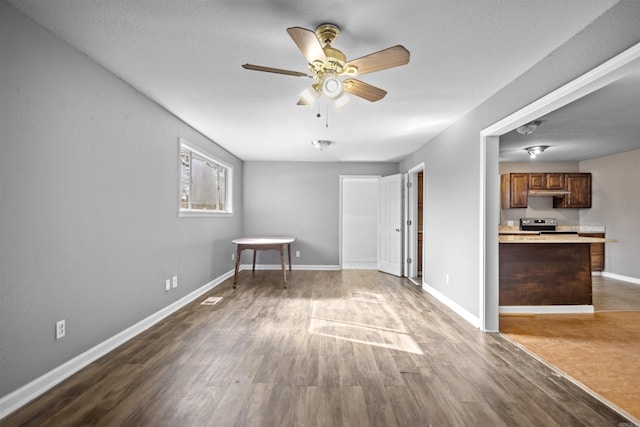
point(545, 269)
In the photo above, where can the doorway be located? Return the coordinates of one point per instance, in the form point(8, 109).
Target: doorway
point(415, 192)
point(358, 221)
point(489, 171)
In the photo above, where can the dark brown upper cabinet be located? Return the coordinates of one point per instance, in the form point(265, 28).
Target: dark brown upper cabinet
point(579, 187)
point(514, 188)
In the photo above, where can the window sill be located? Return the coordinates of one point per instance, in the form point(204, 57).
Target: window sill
point(197, 214)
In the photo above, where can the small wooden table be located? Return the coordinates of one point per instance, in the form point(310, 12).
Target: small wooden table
point(264, 243)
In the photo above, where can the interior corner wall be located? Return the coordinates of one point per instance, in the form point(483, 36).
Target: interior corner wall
point(88, 213)
point(300, 199)
point(616, 205)
point(453, 158)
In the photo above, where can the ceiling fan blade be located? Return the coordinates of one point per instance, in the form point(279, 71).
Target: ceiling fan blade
point(381, 60)
point(276, 70)
point(308, 43)
point(364, 90)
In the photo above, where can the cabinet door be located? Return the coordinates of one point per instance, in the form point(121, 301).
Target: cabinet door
point(554, 181)
point(519, 190)
point(597, 252)
point(537, 181)
point(579, 184)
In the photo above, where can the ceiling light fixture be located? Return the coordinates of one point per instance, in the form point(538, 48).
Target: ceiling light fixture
point(321, 144)
point(529, 127)
point(309, 96)
point(535, 150)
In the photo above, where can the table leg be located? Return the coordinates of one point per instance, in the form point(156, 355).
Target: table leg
point(284, 270)
point(289, 248)
point(235, 275)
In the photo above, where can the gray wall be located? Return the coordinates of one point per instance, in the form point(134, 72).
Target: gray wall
point(300, 199)
point(616, 205)
point(540, 207)
point(453, 158)
point(88, 216)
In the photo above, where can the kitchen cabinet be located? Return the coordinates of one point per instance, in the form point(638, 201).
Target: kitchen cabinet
point(597, 252)
point(579, 187)
point(546, 181)
point(514, 188)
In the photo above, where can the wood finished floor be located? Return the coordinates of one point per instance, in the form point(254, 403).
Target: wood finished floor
point(337, 348)
point(601, 350)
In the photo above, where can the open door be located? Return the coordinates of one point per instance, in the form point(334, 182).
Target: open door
point(390, 225)
point(413, 235)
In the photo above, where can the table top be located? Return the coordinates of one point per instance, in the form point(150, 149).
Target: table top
point(264, 240)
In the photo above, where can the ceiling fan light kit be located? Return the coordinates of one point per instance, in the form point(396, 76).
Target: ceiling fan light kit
point(308, 96)
point(328, 64)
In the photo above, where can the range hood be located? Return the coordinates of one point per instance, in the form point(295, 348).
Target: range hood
point(548, 193)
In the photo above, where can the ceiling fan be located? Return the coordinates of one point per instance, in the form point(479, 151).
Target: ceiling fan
point(334, 74)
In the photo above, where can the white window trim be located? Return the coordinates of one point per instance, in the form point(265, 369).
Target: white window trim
point(190, 213)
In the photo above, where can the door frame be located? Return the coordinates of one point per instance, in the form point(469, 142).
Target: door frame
point(411, 234)
point(489, 209)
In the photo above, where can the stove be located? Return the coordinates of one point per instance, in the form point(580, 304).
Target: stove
point(538, 224)
point(542, 226)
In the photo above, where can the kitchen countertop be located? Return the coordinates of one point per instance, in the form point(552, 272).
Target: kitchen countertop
point(515, 229)
point(550, 238)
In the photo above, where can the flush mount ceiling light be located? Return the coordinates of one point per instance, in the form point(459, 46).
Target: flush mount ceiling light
point(321, 144)
point(535, 150)
point(529, 127)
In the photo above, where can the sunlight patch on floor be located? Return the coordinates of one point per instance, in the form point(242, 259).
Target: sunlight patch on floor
point(365, 318)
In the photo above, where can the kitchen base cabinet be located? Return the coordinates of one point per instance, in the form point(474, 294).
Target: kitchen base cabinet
point(545, 274)
point(597, 252)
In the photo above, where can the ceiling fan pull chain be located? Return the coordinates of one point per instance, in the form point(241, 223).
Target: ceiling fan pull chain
point(327, 116)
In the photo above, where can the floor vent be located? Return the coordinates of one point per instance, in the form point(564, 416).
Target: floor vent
point(211, 301)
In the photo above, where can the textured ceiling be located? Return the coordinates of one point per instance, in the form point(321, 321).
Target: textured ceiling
point(602, 123)
point(187, 56)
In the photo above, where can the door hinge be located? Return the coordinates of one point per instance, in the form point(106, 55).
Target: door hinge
point(408, 260)
point(408, 222)
point(409, 185)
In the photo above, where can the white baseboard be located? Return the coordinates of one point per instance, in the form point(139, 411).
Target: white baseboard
point(458, 309)
point(35, 388)
point(294, 267)
point(634, 280)
point(546, 309)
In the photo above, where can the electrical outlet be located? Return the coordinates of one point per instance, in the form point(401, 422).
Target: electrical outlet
point(167, 285)
point(233, 257)
point(61, 329)
point(175, 281)
point(297, 254)
point(446, 278)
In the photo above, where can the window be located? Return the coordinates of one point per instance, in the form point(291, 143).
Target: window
point(205, 183)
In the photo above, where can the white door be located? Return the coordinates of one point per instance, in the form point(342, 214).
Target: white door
point(390, 224)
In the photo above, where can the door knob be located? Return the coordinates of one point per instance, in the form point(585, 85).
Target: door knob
point(398, 230)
